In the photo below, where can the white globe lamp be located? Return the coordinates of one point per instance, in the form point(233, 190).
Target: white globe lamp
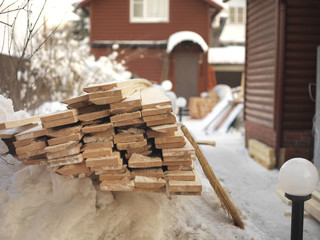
point(298, 178)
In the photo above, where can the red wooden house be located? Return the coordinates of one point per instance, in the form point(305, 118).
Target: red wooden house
point(157, 39)
point(281, 58)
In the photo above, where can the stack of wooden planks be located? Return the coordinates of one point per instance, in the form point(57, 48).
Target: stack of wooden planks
point(123, 132)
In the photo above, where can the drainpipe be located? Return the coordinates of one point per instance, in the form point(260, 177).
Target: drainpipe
point(280, 77)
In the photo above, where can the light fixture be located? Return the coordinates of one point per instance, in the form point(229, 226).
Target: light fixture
point(298, 178)
point(181, 103)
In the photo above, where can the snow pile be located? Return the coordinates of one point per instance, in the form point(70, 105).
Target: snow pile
point(227, 55)
point(7, 113)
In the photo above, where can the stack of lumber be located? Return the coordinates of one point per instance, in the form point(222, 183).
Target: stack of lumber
point(123, 132)
point(311, 206)
point(200, 107)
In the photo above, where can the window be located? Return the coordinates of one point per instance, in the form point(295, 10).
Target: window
point(236, 15)
point(149, 11)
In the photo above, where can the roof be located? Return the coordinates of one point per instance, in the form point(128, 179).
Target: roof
point(218, 4)
point(226, 55)
point(182, 36)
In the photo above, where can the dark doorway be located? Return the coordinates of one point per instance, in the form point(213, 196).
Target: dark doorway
point(186, 75)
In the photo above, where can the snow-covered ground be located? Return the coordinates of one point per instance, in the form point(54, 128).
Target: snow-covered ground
point(36, 203)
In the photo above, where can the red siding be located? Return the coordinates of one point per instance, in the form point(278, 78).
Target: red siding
point(110, 21)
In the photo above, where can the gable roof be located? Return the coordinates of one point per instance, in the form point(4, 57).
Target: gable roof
point(218, 4)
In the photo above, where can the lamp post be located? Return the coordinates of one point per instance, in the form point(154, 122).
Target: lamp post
point(298, 178)
point(181, 103)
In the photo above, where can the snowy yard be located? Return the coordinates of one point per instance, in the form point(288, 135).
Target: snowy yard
point(38, 204)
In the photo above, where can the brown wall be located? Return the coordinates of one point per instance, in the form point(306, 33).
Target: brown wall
point(110, 21)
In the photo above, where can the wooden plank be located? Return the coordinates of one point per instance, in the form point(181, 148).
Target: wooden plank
point(312, 206)
point(106, 100)
point(117, 186)
point(154, 134)
point(159, 117)
point(100, 136)
point(262, 153)
point(115, 176)
point(165, 128)
point(37, 145)
point(170, 145)
point(180, 168)
point(150, 190)
point(148, 172)
point(72, 150)
point(60, 122)
point(115, 84)
point(125, 116)
point(82, 98)
point(148, 182)
point(186, 149)
point(37, 161)
point(58, 115)
point(10, 133)
point(24, 142)
point(186, 157)
point(145, 153)
point(113, 160)
point(157, 110)
point(73, 169)
point(60, 147)
point(148, 99)
point(139, 161)
point(180, 175)
point(94, 145)
point(184, 186)
point(177, 163)
point(72, 137)
point(178, 137)
point(65, 160)
point(19, 123)
point(94, 115)
point(128, 122)
point(30, 154)
point(133, 101)
point(139, 149)
point(98, 152)
point(117, 170)
point(63, 131)
point(161, 122)
point(124, 137)
point(128, 145)
point(32, 133)
point(97, 128)
point(131, 130)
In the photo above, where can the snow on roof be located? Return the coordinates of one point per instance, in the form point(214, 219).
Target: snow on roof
point(226, 55)
point(233, 33)
point(182, 36)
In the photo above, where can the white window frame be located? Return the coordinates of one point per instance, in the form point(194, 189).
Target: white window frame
point(145, 19)
point(236, 15)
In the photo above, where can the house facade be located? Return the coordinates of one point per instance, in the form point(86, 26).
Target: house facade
point(280, 72)
point(156, 39)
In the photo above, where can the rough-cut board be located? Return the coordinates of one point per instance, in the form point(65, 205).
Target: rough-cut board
point(60, 147)
point(180, 168)
point(125, 116)
point(262, 153)
point(10, 133)
point(19, 123)
point(178, 137)
point(73, 150)
point(139, 149)
point(157, 110)
point(152, 97)
point(63, 131)
point(65, 160)
point(113, 160)
point(31, 162)
point(29, 154)
point(184, 186)
point(165, 128)
point(124, 137)
point(125, 146)
point(82, 98)
point(37, 131)
point(154, 134)
point(180, 175)
point(99, 137)
point(170, 145)
point(146, 153)
point(161, 122)
point(175, 163)
point(94, 115)
point(37, 145)
point(98, 152)
point(95, 145)
point(60, 122)
point(115, 84)
point(159, 117)
point(128, 122)
point(140, 161)
point(97, 128)
point(187, 149)
point(115, 176)
point(59, 140)
point(148, 182)
point(58, 115)
point(186, 157)
point(117, 186)
point(74, 169)
point(134, 101)
point(148, 172)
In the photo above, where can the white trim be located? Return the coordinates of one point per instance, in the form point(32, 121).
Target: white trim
point(182, 36)
point(145, 19)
